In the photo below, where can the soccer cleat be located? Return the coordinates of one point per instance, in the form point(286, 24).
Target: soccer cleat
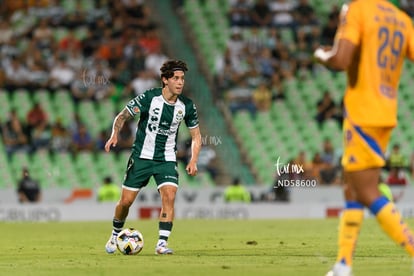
point(340, 269)
point(110, 246)
point(162, 249)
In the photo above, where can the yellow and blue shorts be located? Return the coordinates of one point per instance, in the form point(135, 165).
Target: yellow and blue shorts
point(364, 147)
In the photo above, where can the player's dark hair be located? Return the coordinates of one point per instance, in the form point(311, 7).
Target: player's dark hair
point(168, 68)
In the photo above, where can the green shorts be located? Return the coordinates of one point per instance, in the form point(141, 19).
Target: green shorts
point(139, 172)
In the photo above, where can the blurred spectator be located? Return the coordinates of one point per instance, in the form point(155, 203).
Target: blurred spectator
point(150, 41)
point(75, 124)
point(287, 64)
point(260, 14)
point(235, 50)
point(304, 166)
point(108, 192)
point(100, 86)
point(61, 75)
point(122, 75)
point(110, 48)
point(266, 63)
point(236, 193)
point(137, 61)
point(60, 138)
point(36, 116)
point(329, 30)
point(28, 189)
point(206, 160)
point(307, 23)
point(224, 77)
point(43, 35)
point(14, 135)
point(82, 140)
point(282, 11)
point(69, 41)
point(6, 32)
point(396, 158)
point(38, 128)
point(240, 98)
point(16, 75)
point(408, 7)
point(239, 13)
point(80, 89)
point(76, 18)
point(2, 78)
point(262, 97)
point(74, 59)
point(142, 81)
point(37, 77)
point(154, 61)
point(327, 109)
point(318, 165)
point(101, 140)
point(396, 176)
point(255, 39)
point(40, 137)
point(89, 43)
point(329, 173)
point(276, 87)
point(328, 152)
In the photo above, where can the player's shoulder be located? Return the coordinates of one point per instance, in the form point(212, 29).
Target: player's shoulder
point(153, 92)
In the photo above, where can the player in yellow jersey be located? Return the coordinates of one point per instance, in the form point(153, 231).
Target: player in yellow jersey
point(372, 41)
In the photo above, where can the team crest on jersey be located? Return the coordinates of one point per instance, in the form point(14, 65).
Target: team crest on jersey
point(135, 109)
point(179, 116)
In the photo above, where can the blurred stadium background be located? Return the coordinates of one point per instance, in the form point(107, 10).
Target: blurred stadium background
point(116, 47)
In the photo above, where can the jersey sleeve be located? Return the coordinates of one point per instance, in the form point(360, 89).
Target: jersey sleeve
point(349, 23)
point(138, 104)
point(191, 117)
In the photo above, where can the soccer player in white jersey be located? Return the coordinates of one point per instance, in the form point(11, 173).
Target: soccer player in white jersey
point(161, 111)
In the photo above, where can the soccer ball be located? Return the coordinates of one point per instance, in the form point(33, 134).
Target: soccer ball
point(130, 241)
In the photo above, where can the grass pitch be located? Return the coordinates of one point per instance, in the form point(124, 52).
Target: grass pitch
point(202, 247)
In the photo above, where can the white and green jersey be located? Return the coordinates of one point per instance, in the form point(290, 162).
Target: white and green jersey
point(156, 136)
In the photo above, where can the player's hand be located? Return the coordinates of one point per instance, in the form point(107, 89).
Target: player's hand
point(111, 143)
point(191, 168)
point(321, 52)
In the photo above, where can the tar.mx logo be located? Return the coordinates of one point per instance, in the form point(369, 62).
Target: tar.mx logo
point(91, 79)
point(288, 168)
point(211, 140)
point(291, 175)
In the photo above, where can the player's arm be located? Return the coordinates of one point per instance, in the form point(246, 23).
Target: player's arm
point(339, 57)
point(195, 150)
point(119, 121)
point(347, 37)
point(410, 46)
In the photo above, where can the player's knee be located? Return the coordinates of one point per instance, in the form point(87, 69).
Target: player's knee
point(168, 198)
point(126, 202)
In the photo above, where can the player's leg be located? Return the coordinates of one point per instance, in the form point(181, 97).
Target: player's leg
point(350, 223)
point(167, 190)
point(363, 158)
point(365, 184)
point(166, 218)
point(121, 213)
point(137, 176)
point(349, 226)
point(358, 155)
